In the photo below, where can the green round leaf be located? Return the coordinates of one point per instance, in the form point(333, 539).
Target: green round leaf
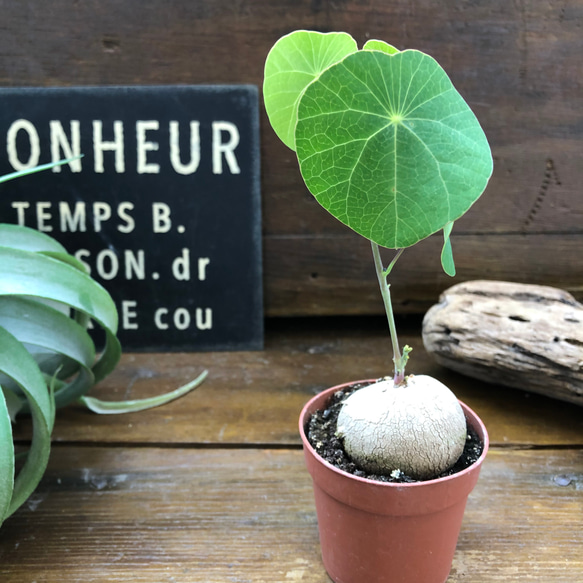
point(389, 147)
point(380, 45)
point(292, 64)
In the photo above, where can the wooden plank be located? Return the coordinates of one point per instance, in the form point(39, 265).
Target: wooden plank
point(256, 397)
point(526, 512)
point(335, 275)
point(210, 516)
point(518, 65)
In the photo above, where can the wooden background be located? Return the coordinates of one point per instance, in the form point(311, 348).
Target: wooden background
point(212, 488)
point(518, 64)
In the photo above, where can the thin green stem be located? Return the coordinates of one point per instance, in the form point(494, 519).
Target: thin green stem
point(400, 360)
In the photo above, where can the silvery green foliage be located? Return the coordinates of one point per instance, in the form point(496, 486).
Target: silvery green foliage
point(47, 358)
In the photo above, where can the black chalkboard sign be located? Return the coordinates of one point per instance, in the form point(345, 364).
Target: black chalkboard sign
point(163, 207)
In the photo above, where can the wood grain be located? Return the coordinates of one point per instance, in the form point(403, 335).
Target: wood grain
point(212, 488)
point(181, 515)
point(517, 64)
point(333, 275)
point(254, 398)
point(524, 336)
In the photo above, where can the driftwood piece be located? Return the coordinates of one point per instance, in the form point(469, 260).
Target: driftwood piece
point(524, 336)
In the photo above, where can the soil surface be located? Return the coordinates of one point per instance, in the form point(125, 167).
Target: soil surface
point(321, 432)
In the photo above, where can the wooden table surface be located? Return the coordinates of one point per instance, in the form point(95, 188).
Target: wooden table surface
point(212, 488)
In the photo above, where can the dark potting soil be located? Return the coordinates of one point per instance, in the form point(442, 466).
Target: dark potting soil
point(321, 432)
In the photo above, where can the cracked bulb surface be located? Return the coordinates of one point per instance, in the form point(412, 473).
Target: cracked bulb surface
point(417, 428)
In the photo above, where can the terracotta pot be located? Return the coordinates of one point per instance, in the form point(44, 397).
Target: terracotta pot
point(375, 532)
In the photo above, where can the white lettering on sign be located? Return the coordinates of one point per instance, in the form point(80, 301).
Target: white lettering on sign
point(202, 265)
point(144, 146)
point(101, 213)
point(225, 138)
point(175, 158)
point(33, 144)
point(122, 212)
point(181, 319)
point(181, 266)
point(128, 315)
point(73, 219)
point(62, 148)
point(226, 149)
point(131, 264)
point(42, 216)
point(135, 264)
point(161, 217)
point(100, 146)
point(107, 263)
point(20, 207)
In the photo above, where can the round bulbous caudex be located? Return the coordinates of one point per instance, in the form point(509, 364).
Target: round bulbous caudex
point(417, 427)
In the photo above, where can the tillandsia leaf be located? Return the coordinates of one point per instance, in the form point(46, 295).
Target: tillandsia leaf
point(19, 237)
point(36, 169)
point(113, 407)
point(6, 458)
point(18, 364)
point(49, 362)
point(25, 273)
point(13, 402)
point(389, 147)
point(66, 258)
point(291, 65)
point(42, 327)
point(82, 318)
point(447, 261)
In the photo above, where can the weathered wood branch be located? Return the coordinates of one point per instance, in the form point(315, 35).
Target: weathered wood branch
point(519, 335)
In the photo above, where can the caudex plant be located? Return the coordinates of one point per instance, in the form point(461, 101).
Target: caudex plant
point(389, 147)
point(47, 357)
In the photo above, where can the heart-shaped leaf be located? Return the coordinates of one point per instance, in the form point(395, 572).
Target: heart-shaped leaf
point(291, 65)
point(389, 147)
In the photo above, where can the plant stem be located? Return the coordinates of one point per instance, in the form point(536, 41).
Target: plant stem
point(399, 359)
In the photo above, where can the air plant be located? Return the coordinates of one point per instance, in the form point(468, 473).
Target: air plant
point(47, 357)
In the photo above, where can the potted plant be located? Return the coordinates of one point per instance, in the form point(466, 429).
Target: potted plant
point(47, 357)
point(387, 145)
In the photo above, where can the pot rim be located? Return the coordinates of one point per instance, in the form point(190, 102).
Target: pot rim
point(471, 418)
